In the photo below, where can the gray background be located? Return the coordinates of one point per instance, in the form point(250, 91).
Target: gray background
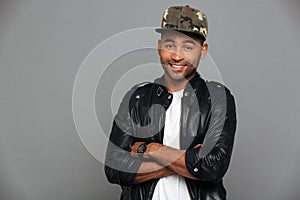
point(255, 44)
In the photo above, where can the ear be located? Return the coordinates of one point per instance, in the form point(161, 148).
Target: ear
point(204, 51)
point(159, 47)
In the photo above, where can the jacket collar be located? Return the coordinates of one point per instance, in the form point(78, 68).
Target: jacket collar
point(193, 89)
point(192, 84)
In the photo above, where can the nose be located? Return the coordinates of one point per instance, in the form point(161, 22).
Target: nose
point(176, 56)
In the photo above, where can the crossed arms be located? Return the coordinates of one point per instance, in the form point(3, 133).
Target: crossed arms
point(207, 162)
point(161, 161)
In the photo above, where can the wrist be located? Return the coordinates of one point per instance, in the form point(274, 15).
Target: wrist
point(141, 149)
point(153, 149)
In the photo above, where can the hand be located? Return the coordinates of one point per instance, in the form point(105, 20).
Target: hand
point(151, 148)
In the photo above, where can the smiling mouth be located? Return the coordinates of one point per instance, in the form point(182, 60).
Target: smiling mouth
point(177, 67)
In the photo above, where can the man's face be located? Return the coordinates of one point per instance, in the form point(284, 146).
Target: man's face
point(180, 55)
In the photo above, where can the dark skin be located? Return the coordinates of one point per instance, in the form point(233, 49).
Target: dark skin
point(180, 55)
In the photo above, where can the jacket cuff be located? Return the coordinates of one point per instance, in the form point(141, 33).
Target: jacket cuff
point(191, 161)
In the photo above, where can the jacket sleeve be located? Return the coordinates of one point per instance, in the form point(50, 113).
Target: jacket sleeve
point(210, 161)
point(120, 167)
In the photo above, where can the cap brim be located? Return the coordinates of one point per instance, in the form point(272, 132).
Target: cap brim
point(161, 30)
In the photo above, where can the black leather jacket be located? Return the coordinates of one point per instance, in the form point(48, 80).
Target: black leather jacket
point(208, 117)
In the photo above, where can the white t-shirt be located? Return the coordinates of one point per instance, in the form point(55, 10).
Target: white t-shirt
point(172, 187)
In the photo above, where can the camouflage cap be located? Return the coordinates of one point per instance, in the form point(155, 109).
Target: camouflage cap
point(186, 19)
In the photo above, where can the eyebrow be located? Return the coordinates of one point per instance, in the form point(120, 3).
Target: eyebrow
point(185, 41)
point(189, 41)
point(169, 40)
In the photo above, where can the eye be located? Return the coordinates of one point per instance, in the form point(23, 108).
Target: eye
point(188, 48)
point(169, 46)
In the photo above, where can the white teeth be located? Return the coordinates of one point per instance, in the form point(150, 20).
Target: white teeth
point(177, 66)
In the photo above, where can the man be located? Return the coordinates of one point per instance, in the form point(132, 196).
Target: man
point(173, 139)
